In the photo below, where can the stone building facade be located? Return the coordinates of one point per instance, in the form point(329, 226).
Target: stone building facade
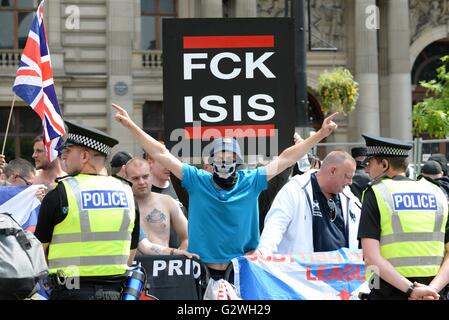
point(107, 51)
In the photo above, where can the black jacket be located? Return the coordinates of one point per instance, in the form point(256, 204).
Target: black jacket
point(359, 182)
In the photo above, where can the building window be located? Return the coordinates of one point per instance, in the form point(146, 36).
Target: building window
point(428, 61)
point(24, 127)
point(153, 119)
point(15, 22)
point(153, 12)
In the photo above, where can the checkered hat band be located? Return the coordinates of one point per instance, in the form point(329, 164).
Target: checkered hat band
point(90, 143)
point(386, 151)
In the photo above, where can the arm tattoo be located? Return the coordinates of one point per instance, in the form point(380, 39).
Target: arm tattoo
point(156, 249)
point(155, 216)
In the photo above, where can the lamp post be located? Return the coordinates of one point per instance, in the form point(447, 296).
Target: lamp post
point(301, 99)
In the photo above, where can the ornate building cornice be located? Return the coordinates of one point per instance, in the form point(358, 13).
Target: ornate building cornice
point(327, 20)
point(427, 14)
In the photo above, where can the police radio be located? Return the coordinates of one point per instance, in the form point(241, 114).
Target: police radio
point(135, 283)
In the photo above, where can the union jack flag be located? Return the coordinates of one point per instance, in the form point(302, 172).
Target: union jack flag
point(34, 84)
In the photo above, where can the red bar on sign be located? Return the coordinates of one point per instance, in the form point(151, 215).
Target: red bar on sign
point(210, 42)
point(247, 131)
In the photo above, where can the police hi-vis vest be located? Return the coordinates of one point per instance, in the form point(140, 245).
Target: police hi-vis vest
point(413, 217)
point(95, 237)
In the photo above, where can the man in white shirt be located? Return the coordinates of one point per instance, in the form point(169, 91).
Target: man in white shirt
point(314, 212)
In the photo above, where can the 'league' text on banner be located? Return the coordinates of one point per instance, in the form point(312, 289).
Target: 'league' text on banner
point(335, 275)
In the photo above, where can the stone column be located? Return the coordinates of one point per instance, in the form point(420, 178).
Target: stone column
point(211, 8)
point(384, 78)
point(53, 22)
point(245, 8)
point(399, 70)
point(366, 72)
point(54, 27)
point(186, 9)
point(119, 55)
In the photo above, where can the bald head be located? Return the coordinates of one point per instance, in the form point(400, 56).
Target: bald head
point(336, 172)
point(336, 158)
point(136, 163)
point(138, 173)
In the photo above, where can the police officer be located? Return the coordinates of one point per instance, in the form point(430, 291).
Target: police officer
point(89, 224)
point(403, 226)
point(360, 179)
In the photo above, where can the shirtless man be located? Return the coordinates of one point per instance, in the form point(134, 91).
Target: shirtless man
point(158, 212)
point(47, 171)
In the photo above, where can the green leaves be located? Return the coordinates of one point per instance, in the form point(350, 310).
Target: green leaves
point(432, 114)
point(338, 91)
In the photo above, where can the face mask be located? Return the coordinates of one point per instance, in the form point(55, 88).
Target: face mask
point(224, 170)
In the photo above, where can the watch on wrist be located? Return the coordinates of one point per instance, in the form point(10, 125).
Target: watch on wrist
point(410, 290)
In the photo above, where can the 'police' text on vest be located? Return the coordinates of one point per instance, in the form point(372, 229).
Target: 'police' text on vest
point(414, 201)
point(103, 199)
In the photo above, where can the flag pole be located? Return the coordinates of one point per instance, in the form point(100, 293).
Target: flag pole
point(7, 126)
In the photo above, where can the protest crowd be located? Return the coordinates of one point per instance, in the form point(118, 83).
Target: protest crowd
point(102, 225)
point(343, 202)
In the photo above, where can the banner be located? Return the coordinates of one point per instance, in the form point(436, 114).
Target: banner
point(229, 77)
point(22, 203)
point(335, 275)
point(171, 277)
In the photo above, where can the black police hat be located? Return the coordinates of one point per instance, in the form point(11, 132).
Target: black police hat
point(358, 152)
point(386, 147)
point(88, 137)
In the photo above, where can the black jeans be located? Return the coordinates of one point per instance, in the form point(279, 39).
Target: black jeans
point(227, 274)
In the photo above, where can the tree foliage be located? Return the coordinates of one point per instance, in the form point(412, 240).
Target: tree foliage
point(431, 116)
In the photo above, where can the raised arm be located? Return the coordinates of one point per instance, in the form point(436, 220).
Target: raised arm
point(292, 154)
point(153, 147)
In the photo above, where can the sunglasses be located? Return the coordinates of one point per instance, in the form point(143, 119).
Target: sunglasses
point(332, 209)
point(23, 179)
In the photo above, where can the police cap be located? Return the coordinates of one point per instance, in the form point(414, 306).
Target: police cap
point(358, 152)
point(88, 137)
point(385, 147)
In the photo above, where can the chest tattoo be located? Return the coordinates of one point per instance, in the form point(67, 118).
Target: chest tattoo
point(156, 216)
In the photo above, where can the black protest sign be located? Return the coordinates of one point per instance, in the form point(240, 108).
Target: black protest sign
point(171, 277)
point(228, 77)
